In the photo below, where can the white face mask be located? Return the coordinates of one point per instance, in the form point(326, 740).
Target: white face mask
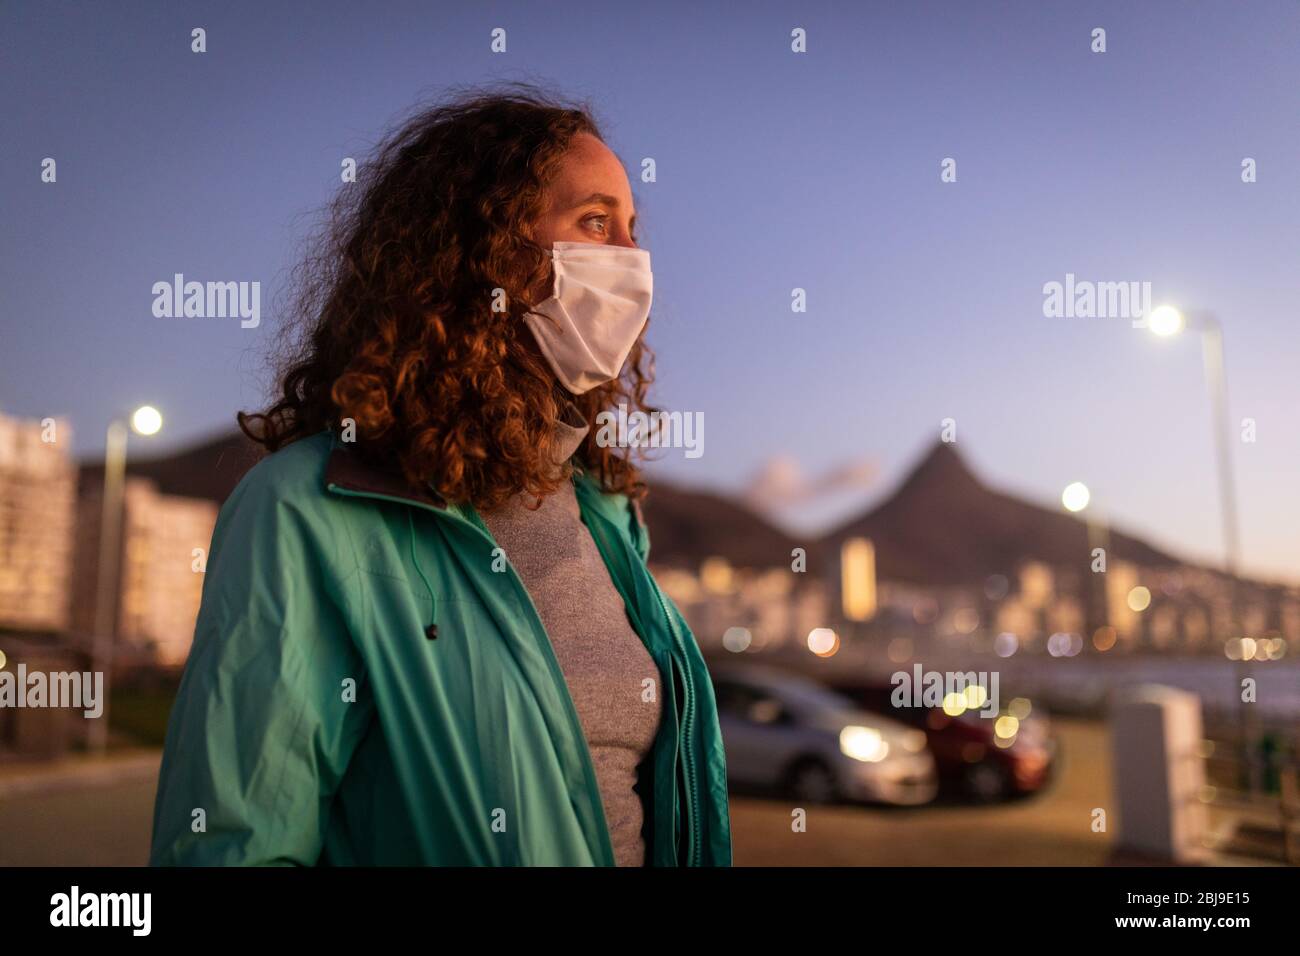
point(599, 306)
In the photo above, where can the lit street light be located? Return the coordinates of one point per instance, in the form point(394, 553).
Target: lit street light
point(1075, 499)
point(1167, 321)
point(1076, 496)
point(146, 420)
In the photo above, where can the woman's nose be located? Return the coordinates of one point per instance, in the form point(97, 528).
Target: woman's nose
point(623, 237)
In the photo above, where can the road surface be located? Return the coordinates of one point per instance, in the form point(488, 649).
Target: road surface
point(107, 822)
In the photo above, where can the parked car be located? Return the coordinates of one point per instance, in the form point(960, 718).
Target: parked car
point(789, 734)
point(984, 759)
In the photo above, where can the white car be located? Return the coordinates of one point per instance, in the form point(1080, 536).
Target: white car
point(789, 734)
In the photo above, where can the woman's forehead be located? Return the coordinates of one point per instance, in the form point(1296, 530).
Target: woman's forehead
point(591, 172)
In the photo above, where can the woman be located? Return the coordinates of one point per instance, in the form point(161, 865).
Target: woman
point(428, 634)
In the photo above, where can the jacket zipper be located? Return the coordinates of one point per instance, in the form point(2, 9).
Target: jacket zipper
point(691, 777)
point(557, 673)
point(688, 723)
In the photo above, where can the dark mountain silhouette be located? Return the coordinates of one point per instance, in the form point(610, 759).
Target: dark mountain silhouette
point(942, 526)
point(688, 526)
point(685, 526)
point(209, 470)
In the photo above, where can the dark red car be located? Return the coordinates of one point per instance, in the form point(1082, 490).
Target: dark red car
point(980, 758)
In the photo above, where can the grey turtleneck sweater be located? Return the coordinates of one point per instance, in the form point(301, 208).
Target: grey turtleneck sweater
point(604, 662)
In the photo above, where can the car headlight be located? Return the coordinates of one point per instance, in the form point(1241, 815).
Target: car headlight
point(863, 743)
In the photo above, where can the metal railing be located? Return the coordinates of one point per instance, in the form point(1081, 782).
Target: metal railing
point(1258, 787)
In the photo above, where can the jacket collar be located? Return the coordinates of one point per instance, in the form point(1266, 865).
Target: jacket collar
point(347, 471)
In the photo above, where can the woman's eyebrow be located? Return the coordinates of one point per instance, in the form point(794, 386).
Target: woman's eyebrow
point(604, 199)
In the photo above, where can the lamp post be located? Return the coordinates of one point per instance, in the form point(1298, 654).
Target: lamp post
point(1076, 498)
point(1167, 322)
point(145, 421)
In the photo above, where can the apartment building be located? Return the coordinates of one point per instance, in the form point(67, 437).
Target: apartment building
point(38, 498)
point(165, 540)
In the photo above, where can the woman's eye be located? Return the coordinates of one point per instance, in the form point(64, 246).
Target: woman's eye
point(596, 220)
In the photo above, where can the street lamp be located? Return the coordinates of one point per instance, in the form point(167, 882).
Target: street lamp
point(145, 420)
point(1076, 498)
point(1167, 321)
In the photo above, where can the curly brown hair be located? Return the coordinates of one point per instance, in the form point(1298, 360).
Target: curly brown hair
point(392, 322)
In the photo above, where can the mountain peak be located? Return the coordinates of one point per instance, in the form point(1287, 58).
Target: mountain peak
point(942, 467)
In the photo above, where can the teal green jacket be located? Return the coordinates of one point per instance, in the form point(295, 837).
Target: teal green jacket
point(366, 689)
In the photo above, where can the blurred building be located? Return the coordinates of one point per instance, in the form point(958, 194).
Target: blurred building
point(38, 492)
point(1179, 611)
point(165, 540)
point(774, 607)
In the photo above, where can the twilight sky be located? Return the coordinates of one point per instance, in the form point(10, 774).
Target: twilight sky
point(776, 170)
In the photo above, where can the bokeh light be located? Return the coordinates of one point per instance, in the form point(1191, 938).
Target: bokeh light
point(1166, 321)
point(737, 639)
point(965, 620)
point(823, 642)
point(864, 743)
point(1076, 496)
point(1139, 599)
point(900, 650)
point(147, 420)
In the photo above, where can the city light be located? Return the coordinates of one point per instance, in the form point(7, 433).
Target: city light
point(1139, 599)
point(858, 579)
point(737, 639)
point(1020, 708)
point(716, 575)
point(1064, 644)
point(823, 642)
point(1166, 321)
point(965, 620)
point(1076, 496)
point(1104, 637)
point(146, 420)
